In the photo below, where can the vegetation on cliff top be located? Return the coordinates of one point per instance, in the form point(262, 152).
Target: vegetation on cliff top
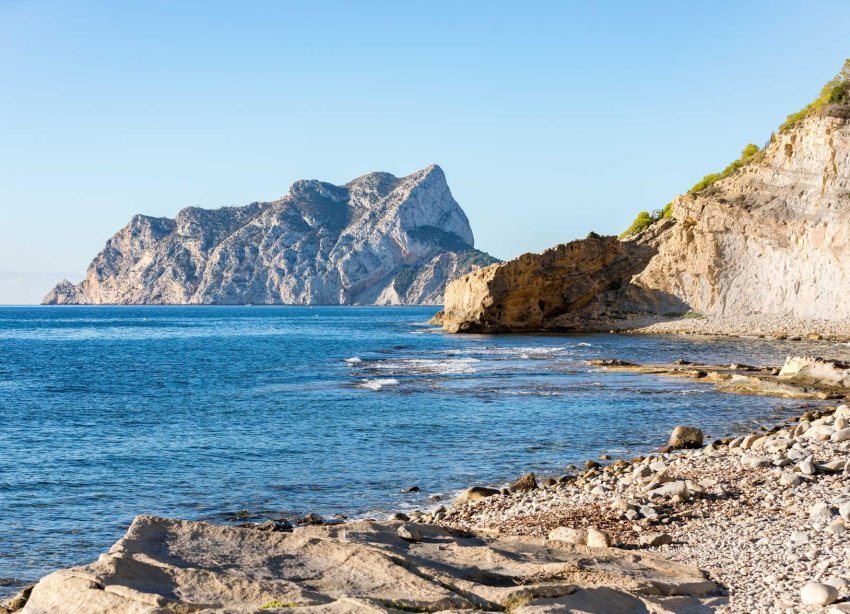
point(834, 93)
point(749, 153)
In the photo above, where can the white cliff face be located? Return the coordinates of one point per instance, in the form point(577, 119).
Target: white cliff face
point(773, 238)
point(378, 239)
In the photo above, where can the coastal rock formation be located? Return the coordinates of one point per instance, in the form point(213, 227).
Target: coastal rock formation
point(566, 287)
point(770, 235)
point(378, 239)
point(163, 565)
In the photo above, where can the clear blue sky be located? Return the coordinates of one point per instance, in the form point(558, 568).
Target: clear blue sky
point(549, 119)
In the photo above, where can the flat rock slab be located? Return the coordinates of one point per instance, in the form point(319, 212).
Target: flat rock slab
point(164, 565)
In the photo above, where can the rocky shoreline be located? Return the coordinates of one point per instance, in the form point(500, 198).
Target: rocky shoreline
point(764, 516)
point(756, 325)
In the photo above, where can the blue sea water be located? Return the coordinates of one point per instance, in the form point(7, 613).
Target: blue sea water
point(201, 412)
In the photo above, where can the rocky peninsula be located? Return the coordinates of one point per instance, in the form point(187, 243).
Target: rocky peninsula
point(765, 239)
point(378, 239)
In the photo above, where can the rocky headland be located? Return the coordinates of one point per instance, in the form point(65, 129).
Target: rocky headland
point(378, 239)
point(768, 237)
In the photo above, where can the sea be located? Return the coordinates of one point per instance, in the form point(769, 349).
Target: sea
point(235, 414)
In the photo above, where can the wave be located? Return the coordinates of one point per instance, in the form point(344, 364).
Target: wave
point(354, 360)
point(377, 384)
point(451, 366)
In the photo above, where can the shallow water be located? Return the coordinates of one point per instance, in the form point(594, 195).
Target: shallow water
point(200, 412)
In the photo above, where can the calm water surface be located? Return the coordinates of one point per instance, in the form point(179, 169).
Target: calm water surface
point(200, 412)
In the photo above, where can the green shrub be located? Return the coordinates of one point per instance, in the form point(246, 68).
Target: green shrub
point(837, 91)
point(750, 152)
point(642, 222)
point(667, 211)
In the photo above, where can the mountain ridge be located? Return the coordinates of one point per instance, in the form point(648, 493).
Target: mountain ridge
point(378, 239)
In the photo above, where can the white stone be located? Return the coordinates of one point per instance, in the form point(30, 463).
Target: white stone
point(815, 593)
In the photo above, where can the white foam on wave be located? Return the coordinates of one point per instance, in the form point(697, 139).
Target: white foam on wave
point(451, 366)
point(583, 345)
point(377, 384)
point(353, 360)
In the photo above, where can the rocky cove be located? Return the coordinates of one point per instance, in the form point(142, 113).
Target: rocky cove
point(754, 523)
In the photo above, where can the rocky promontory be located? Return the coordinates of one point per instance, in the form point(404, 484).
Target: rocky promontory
point(769, 235)
point(378, 239)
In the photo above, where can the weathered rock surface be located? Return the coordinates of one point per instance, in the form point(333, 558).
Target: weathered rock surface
point(566, 287)
point(376, 240)
point(165, 565)
point(772, 238)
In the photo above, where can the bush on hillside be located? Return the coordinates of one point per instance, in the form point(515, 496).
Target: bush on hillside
point(750, 152)
point(642, 222)
point(836, 92)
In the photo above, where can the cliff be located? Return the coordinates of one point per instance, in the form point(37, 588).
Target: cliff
point(768, 235)
point(378, 239)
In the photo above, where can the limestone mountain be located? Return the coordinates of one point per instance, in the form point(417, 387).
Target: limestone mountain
point(770, 234)
point(378, 239)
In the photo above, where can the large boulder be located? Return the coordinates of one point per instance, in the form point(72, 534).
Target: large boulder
point(685, 437)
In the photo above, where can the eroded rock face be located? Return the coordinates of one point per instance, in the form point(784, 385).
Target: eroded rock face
point(772, 238)
point(576, 285)
point(376, 240)
point(170, 565)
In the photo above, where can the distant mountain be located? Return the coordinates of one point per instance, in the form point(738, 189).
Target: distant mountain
point(378, 239)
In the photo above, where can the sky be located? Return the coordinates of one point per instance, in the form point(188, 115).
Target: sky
point(550, 119)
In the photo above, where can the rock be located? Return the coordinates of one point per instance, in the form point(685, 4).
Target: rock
point(815, 593)
point(658, 466)
point(409, 532)
point(789, 479)
point(842, 435)
point(685, 437)
point(311, 518)
point(807, 465)
point(820, 511)
point(597, 538)
point(669, 490)
point(179, 566)
point(655, 540)
point(400, 516)
point(648, 512)
point(591, 464)
point(569, 535)
point(378, 239)
point(798, 538)
point(526, 483)
point(274, 526)
point(20, 599)
point(751, 460)
point(410, 489)
point(537, 291)
point(642, 471)
point(844, 510)
point(809, 370)
point(475, 493)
